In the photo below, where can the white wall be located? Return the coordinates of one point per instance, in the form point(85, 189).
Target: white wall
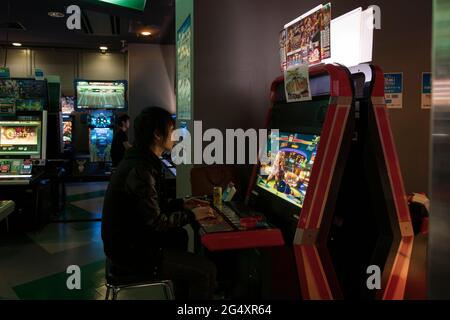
point(68, 64)
point(151, 74)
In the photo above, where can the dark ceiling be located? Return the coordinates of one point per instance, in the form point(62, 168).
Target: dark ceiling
point(102, 24)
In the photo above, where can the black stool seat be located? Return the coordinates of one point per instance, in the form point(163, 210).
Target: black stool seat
point(117, 276)
point(118, 279)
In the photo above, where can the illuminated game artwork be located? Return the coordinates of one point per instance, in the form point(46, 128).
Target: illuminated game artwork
point(308, 38)
point(100, 144)
point(15, 166)
point(23, 94)
point(67, 108)
point(291, 157)
point(20, 137)
point(67, 132)
point(101, 95)
point(101, 119)
point(101, 135)
point(67, 105)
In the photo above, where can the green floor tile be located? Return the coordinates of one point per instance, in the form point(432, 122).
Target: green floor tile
point(54, 287)
point(85, 196)
point(72, 212)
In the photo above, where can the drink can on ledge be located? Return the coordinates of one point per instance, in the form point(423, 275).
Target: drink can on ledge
point(217, 196)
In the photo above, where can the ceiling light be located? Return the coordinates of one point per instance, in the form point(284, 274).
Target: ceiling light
point(146, 33)
point(16, 44)
point(56, 14)
point(103, 48)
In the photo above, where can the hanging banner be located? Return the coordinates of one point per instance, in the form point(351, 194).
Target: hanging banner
point(296, 84)
point(308, 37)
point(426, 90)
point(393, 90)
point(184, 70)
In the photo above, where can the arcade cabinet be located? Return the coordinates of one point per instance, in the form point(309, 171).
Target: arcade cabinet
point(67, 109)
point(99, 101)
point(23, 136)
point(55, 146)
point(354, 214)
point(331, 203)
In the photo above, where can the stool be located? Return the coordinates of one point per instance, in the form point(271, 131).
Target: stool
point(117, 282)
point(6, 208)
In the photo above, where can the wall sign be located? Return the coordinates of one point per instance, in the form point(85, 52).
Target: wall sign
point(393, 90)
point(4, 73)
point(184, 71)
point(426, 90)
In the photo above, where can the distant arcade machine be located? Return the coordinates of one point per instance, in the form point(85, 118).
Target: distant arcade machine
point(101, 100)
point(23, 146)
point(55, 145)
point(67, 110)
point(23, 130)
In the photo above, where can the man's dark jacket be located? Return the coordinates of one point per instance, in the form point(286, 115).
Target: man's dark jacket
point(137, 216)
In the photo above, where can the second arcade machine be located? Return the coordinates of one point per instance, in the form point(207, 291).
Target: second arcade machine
point(102, 100)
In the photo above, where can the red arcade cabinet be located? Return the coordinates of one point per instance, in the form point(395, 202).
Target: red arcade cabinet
point(355, 215)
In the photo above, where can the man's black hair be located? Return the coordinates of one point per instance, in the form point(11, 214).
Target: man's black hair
point(122, 118)
point(151, 121)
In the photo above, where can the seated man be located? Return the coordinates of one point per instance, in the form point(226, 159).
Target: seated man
point(142, 230)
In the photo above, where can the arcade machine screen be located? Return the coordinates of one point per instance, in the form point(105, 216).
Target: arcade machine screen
point(67, 108)
point(20, 138)
point(101, 95)
point(22, 95)
point(101, 119)
point(291, 157)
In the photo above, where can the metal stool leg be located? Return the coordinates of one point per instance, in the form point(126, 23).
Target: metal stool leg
point(115, 293)
point(108, 290)
point(168, 290)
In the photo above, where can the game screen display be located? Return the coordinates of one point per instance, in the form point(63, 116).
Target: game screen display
point(291, 158)
point(101, 119)
point(20, 137)
point(101, 95)
point(23, 94)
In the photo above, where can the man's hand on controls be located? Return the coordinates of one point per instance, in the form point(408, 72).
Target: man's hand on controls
point(203, 213)
point(195, 203)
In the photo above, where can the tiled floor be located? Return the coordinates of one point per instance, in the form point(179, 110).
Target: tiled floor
point(33, 265)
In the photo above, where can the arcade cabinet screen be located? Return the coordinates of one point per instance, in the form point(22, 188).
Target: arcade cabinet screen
point(101, 95)
point(291, 157)
point(20, 137)
point(23, 94)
